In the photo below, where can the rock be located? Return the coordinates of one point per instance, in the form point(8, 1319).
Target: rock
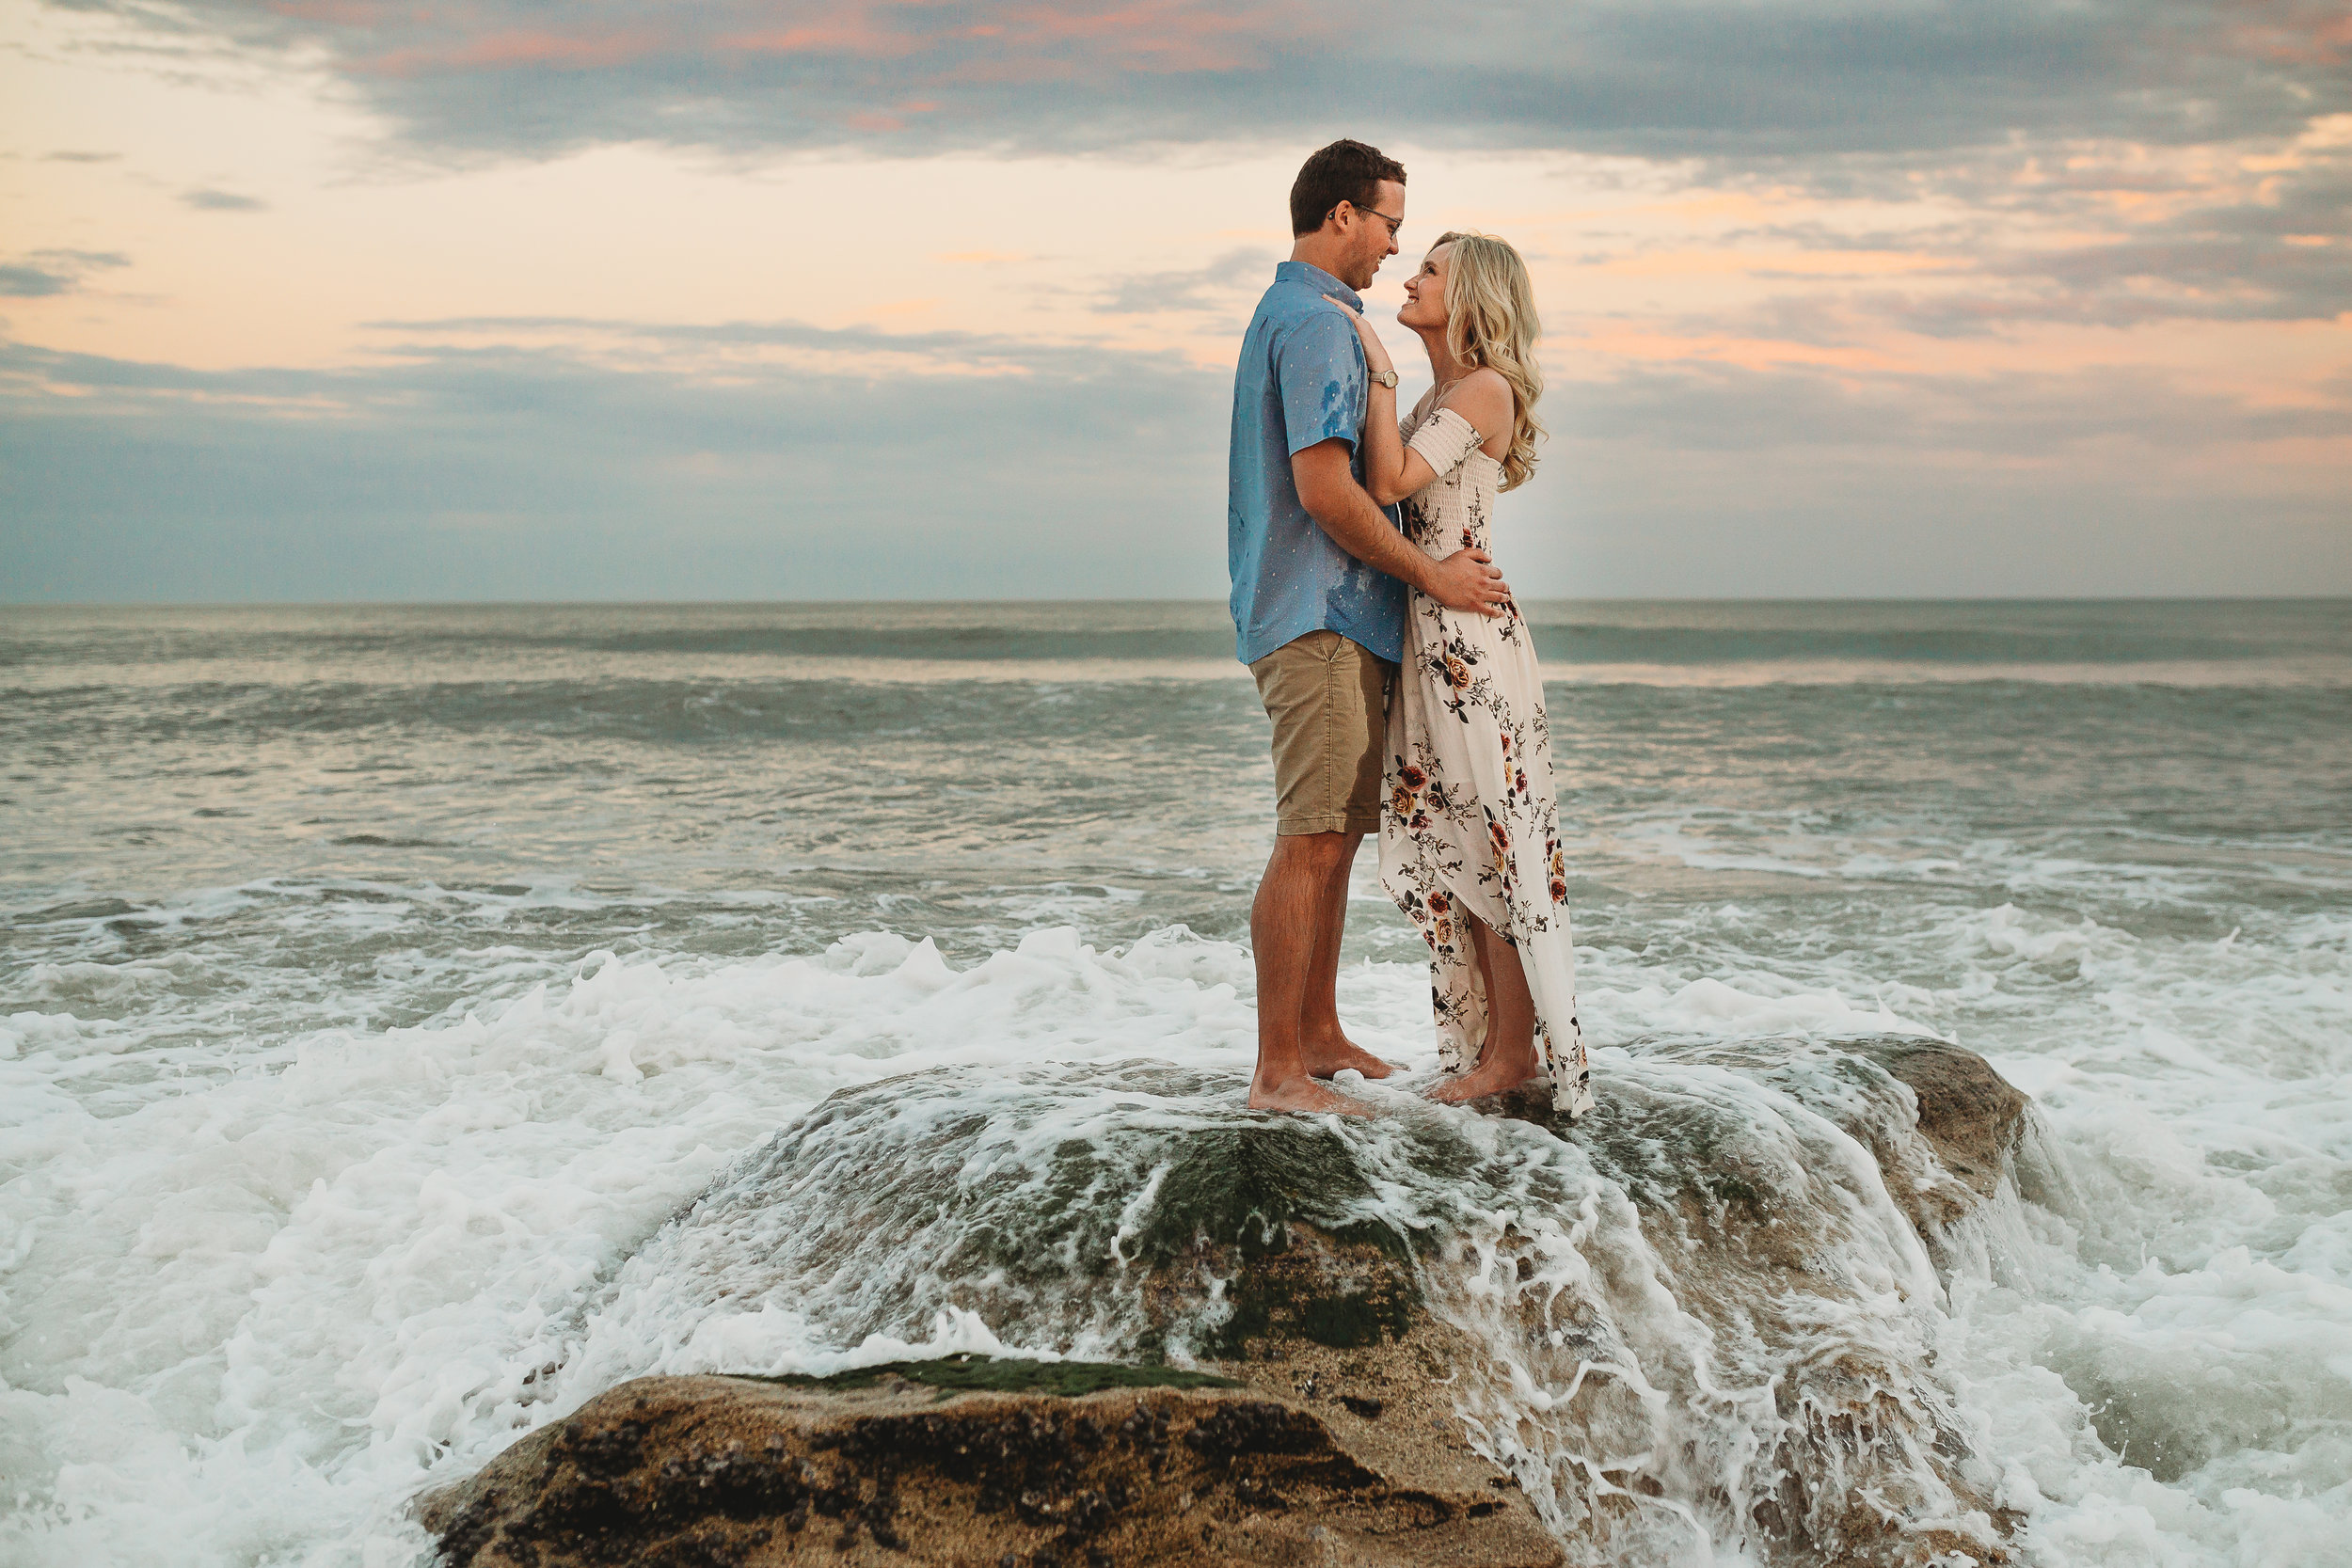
point(889, 1466)
point(1704, 1308)
point(1943, 1151)
point(1969, 1114)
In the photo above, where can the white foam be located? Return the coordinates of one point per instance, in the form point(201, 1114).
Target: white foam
point(251, 1311)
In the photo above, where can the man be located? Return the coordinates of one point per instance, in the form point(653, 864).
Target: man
point(1320, 579)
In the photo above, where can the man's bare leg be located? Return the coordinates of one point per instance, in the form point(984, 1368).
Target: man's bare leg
point(1509, 1058)
point(1322, 1043)
point(1286, 924)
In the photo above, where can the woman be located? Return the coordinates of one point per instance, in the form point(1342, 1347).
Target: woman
point(1470, 843)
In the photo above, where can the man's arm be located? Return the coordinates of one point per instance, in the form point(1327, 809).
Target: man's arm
point(1465, 581)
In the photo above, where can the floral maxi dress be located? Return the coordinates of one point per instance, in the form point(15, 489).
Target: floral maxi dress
point(1472, 823)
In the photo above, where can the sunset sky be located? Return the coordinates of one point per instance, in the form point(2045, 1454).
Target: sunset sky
point(442, 299)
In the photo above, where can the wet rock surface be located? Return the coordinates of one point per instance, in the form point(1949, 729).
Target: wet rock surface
point(883, 1468)
point(1720, 1282)
point(1969, 1114)
point(1941, 1156)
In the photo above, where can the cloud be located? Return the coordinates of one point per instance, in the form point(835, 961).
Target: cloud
point(1227, 286)
point(1717, 79)
point(2104, 236)
point(2283, 253)
point(2014, 418)
point(940, 467)
point(523, 457)
point(70, 157)
point(717, 347)
point(222, 201)
point(2105, 162)
point(53, 272)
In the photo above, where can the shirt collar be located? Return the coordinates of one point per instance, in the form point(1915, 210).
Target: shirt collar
point(1317, 280)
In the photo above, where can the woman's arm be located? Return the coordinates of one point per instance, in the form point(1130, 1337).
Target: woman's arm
point(1392, 470)
point(1466, 580)
point(1483, 398)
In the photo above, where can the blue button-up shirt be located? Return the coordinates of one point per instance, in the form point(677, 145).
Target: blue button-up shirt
point(1300, 382)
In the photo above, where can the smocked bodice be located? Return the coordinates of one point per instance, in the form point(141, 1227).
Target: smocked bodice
point(1453, 510)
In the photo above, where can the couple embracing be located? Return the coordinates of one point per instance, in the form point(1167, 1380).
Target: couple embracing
point(1399, 674)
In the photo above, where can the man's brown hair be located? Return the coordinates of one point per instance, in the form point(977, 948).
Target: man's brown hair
point(1344, 172)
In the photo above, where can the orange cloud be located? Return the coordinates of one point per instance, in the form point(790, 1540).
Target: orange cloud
point(1039, 42)
point(1752, 354)
point(2322, 39)
point(1791, 263)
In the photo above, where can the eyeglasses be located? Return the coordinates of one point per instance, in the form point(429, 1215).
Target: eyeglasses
point(1394, 224)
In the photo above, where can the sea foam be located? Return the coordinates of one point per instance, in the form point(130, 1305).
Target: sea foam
point(249, 1319)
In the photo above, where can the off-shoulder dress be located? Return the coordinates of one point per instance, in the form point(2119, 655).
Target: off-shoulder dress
point(1472, 820)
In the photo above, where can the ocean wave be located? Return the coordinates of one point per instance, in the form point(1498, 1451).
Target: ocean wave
point(268, 1305)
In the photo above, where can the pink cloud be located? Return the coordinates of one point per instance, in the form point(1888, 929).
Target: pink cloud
point(851, 31)
point(1009, 41)
point(2320, 36)
point(1159, 35)
point(515, 47)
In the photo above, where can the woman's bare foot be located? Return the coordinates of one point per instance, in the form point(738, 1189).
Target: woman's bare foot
point(1342, 1055)
point(1303, 1094)
point(1483, 1080)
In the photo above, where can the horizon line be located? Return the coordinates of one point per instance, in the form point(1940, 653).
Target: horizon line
point(7, 605)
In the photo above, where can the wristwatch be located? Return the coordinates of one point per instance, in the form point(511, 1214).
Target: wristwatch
point(1385, 378)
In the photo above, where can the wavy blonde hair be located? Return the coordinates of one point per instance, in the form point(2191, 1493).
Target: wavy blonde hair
point(1491, 323)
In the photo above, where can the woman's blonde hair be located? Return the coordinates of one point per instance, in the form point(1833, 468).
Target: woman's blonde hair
point(1491, 322)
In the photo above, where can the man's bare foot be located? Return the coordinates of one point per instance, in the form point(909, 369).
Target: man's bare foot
point(1342, 1055)
point(1303, 1094)
point(1483, 1080)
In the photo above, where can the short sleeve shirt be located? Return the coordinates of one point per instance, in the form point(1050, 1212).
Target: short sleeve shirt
point(1300, 382)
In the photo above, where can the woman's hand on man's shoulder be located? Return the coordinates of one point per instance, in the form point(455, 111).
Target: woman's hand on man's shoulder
point(1376, 352)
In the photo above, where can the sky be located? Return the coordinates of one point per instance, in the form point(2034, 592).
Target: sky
point(753, 299)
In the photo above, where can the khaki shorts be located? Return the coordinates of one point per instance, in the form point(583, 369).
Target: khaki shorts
point(1328, 699)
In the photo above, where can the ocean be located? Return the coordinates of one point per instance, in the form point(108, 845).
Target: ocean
point(376, 982)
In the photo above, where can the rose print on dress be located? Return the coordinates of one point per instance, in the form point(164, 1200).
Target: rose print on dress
point(1472, 825)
